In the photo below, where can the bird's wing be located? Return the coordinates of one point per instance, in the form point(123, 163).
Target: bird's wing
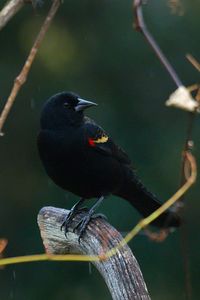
point(99, 140)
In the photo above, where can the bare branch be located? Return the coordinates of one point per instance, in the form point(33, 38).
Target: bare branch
point(193, 61)
point(141, 27)
point(9, 10)
point(21, 78)
point(121, 272)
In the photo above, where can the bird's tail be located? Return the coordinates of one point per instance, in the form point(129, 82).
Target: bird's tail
point(146, 203)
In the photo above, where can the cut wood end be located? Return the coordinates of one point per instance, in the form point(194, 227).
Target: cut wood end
point(121, 271)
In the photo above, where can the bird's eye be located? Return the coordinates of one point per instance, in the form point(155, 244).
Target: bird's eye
point(68, 105)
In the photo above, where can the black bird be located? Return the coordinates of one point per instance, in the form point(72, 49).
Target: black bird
point(80, 157)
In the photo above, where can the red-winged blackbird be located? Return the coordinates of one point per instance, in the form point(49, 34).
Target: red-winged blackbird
point(80, 157)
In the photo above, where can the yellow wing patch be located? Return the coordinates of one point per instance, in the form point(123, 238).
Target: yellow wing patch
point(102, 139)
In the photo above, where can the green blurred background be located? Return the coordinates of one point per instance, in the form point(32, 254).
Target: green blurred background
point(92, 49)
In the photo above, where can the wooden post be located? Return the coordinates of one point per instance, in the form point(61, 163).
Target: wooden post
point(121, 272)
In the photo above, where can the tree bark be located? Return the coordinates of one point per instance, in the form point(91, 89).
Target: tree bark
point(121, 272)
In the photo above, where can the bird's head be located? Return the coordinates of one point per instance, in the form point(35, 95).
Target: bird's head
point(63, 109)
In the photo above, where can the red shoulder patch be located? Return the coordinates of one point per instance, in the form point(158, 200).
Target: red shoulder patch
point(91, 142)
point(99, 140)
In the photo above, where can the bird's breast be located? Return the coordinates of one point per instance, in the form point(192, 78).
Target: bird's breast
point(78, 168)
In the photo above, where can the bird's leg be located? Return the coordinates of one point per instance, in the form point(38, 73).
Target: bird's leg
point(81, 226)
point(74, 210)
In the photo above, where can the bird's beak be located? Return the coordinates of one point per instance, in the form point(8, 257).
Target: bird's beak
point(83, 104)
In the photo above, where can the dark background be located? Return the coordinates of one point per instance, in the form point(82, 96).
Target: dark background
point(92, 49)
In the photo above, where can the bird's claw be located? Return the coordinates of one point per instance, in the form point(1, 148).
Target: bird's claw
point(99, 215)
point(84, 218)
point(83, 223)
point(69, 218)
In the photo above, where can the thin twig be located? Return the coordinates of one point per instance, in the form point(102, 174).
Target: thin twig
point(176, 7)
point(188, 147)
point(3, 244)
point(180, 205)
point(21, 78)
point(9, 10)
point(141, 27)
point(196, 65)
point(193, 61)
